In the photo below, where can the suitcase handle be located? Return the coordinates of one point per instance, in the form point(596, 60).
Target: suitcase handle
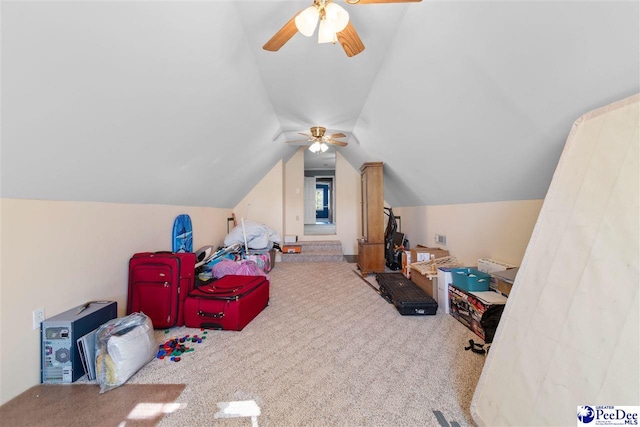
point(213, 290)
point(215, 294)
point(214, 315)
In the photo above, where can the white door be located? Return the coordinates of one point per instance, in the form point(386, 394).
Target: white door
point(309, 200)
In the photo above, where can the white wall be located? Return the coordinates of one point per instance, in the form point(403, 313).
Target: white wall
point(498, 230)
point(58, 255)
point(348, 213)
point(294, 195)
point(265, 202)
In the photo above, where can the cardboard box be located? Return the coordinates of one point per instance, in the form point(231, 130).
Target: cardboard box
point(430, 286)
point(406, 262)
point(502, 281)
point(468, 307)
point(423, 253)
point(291, 249)
point(500, 286)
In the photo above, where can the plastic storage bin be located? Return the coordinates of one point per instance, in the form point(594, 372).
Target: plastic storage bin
point(470, 279)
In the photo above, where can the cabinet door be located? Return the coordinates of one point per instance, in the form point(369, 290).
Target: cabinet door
point(371, 257)
point(372, 202)
point(363, 205)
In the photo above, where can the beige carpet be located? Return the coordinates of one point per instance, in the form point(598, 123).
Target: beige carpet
point(328, 351)
point(80, 405)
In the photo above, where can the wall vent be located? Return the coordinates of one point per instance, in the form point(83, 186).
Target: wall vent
point(441, 240)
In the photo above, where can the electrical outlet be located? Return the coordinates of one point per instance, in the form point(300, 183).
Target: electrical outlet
point(38, 317)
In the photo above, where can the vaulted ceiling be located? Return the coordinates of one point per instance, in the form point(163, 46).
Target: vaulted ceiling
point(176, 102)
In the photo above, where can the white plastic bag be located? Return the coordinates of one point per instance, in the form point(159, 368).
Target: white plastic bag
point(123, 346)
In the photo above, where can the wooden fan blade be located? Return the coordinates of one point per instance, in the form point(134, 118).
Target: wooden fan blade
point(336, 142)
point(350, 41)
point(305, 134)
point(283, 35)
point(381, 1)
point(337, 135)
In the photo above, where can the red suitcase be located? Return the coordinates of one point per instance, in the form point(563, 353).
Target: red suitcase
point(159, 282)
point(228, 303)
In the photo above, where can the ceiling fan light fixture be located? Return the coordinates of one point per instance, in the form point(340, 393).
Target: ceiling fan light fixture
point(326, 32)
point(336, 15)
point(307, 20)
point(315, 147)
point(324, 147)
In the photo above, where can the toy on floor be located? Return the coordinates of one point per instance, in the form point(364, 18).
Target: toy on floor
point(176, 347)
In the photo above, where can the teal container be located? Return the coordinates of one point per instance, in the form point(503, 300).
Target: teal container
point(470, 279)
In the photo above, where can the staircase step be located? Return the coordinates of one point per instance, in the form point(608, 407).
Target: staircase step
point(320, 246)
point(313, 257)
point(316, 251)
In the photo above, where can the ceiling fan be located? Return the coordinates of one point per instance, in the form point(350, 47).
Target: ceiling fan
point(334, 25)
point(320, 140)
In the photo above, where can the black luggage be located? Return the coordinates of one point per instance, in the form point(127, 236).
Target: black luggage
point(405, 295)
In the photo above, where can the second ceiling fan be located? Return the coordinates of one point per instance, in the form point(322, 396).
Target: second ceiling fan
point(320, 140)
point(334, 25)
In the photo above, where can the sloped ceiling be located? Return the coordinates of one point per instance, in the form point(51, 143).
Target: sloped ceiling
point(174, 102)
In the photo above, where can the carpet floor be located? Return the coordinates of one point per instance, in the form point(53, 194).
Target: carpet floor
point(327, 351)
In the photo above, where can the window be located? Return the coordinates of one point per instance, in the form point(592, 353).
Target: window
point(319, 199)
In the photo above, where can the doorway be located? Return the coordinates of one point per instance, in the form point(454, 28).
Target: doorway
point(319, 193)
point(324, 208)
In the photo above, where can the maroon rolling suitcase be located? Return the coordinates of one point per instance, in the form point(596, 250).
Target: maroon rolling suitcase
point(228, 303)
point(159, 282)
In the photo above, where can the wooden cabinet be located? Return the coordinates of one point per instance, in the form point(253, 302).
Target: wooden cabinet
point(371, 244)
point(370, 257)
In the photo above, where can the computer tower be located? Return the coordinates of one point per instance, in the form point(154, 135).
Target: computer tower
point(60, 361)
